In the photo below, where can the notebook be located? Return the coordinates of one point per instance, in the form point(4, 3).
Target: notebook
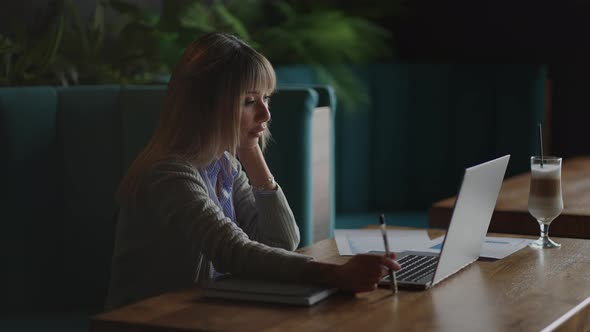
point(233, 288)
point(461, 246)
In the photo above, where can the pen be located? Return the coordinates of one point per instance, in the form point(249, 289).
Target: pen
point(392, 277)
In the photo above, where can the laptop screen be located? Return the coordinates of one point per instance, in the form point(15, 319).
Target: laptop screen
point(471, 216)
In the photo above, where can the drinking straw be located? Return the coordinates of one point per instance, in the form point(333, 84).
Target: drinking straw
point(541, 140)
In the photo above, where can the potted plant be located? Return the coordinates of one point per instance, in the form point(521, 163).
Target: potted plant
point(141, 45)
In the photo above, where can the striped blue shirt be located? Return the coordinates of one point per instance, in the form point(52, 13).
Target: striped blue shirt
point(223, 169)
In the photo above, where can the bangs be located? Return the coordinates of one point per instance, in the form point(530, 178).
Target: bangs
point(259, 76)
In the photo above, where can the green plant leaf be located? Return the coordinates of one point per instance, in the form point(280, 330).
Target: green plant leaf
point(7, 46)
point(134, 12)
point(98, 23)
point(78, 27)
point(230, 21)
point(98, 26)
point(285, 9)
point(143, 42)
point(23, 63)
point(347, 86)
point(197, 16)
point(170, 50)
point(53, 43)
point(327, 37)
point(250, 12)
point(7, 49)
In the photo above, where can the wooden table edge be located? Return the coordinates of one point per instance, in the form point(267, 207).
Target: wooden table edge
point(570, 321)
point(577, 316)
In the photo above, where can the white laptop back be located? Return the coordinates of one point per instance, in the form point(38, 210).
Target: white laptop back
point(471, 216)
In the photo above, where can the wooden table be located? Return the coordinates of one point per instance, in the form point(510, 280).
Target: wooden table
point(511, 214)
point(527, 291)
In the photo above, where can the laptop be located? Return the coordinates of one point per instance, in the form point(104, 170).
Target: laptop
point(466, 233)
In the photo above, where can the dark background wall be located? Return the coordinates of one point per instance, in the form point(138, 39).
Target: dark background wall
point(503, 31)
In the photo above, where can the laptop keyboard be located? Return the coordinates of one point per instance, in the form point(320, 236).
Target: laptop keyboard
point(414, 267)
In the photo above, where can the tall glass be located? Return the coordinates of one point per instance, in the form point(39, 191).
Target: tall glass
point(545, 201)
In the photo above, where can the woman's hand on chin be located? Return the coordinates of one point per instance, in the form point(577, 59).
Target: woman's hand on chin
point(249, 150)
point(248, 143)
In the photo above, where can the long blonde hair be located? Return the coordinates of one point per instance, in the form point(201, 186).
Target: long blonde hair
point(202, 108)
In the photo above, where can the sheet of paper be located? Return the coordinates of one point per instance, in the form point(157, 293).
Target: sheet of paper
point(500, 247)
point(357, 241)
point(493, 247)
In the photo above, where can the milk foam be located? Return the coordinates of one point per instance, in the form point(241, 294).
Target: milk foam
point(546, 172)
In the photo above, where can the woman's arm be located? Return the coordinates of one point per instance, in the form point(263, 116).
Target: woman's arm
point(361, 273)
point(176, 194)
point(255, 166)
point(265, 216)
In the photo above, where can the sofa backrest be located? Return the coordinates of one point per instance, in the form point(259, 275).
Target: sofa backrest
point(424, 124)
point(65, 151)
point(429, 122)
point(31, 191)
point(89, 132)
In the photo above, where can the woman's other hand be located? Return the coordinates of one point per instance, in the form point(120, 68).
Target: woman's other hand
point(361, 273)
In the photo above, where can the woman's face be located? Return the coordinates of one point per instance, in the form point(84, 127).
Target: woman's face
point(255, 115)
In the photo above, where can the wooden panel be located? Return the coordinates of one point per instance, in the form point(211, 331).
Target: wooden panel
point(529, 290)
point(512, 216)
point(321, 136)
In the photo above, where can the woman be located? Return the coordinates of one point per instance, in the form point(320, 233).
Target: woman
point(190, 210)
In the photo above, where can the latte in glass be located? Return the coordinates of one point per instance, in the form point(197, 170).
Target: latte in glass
point(545, 200)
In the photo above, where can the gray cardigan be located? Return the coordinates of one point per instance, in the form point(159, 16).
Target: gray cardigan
point(170, 235)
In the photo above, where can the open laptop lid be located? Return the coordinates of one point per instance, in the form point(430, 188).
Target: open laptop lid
point(471, 216)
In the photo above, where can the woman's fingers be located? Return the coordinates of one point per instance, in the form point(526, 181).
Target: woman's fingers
point(391, 263)
point(363, 272)
point(378, 267)
point(392, 256)
point(388, 262)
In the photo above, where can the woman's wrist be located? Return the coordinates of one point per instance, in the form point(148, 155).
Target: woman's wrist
point(320, 273)
point(256, 168)
point(249, 151)
point(269, 185)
